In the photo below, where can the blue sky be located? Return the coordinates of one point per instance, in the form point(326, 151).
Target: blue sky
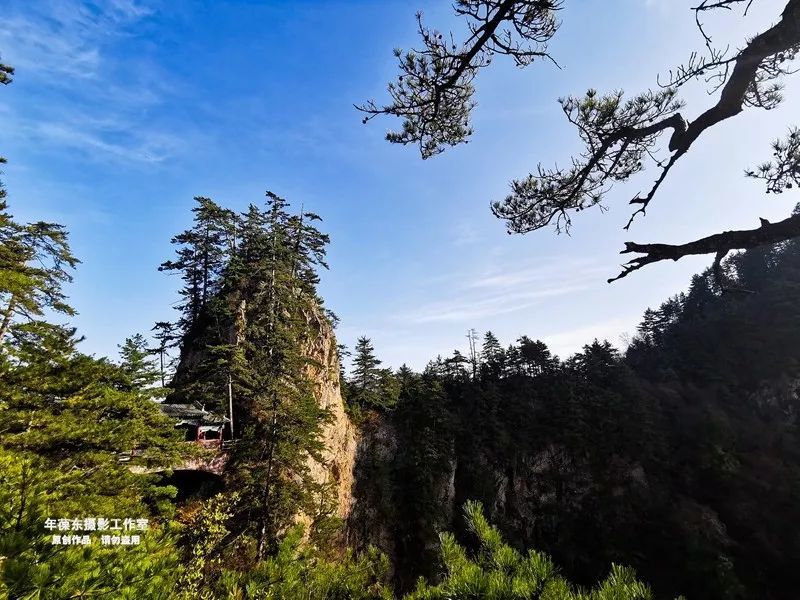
point(122, 111)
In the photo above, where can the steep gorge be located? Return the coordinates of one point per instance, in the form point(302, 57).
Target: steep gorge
point(677, 457)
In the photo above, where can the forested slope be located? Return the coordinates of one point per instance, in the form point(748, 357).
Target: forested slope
point(73, 426)
point(678, 456)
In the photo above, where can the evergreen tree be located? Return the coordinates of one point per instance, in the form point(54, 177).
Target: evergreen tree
point(78, 413)
point(424, 459)
point(492, 357)
point(202, 253)
point(260, 315)
point(370, 386)
point(498, 571)
point(535, 356)
point(67, 419)
point(35, 262)
point(166, 338)
point(297, 570)
point(433, 95)
point(137, 364)
point(456, 367)
point(33, 567)
point(344, 385)
point(364, 379)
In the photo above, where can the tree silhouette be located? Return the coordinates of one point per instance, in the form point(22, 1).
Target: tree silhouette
point(433, 95)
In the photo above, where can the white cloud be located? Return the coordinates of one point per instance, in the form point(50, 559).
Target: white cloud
point(47, 48)
point(148, 148)
point(552, 269)
point(83, 96)
point(567, 342)
point(65, 38)
point(109, 138)
point(494, 305)
point(498, 292)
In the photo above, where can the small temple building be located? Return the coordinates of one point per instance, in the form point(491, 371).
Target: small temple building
point(200, 425)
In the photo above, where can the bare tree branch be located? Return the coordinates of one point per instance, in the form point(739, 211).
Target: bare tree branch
point(634, 128)
point(434, 97)
point(708, 5)
point(719, 244)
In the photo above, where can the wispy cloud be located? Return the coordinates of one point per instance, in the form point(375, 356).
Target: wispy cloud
point(503, 291)
point(44, 48)
point(110, 138)
point(465, 234)
point(568, 341)
point(65, 38)
point(138, 147)
point(494, 305)
point(553, 269)
point(88, 99)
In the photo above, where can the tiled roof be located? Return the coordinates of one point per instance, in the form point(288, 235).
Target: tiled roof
point(190, 413)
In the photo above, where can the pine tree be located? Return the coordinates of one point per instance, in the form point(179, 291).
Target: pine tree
point(363, 383)
point(425, 428)
point(535, 356)
point(67, 418)
point(136, 362)
point(166, 338)
point(456, 365)
point(35, 262)
point(498, 571)
point(33, 567)
point(202, 253)
point(262, 314)
point(365, 368)
point(370, 386)
point(493, 361)
point(344, 385)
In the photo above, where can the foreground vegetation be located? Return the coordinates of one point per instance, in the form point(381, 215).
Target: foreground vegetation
point(677, 457)
point(651, 458)
point(66, 419)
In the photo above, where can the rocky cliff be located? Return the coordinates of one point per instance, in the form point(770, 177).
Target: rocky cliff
point(339, 435)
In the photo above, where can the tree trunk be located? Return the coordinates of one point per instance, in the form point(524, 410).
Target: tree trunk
point(7, 313)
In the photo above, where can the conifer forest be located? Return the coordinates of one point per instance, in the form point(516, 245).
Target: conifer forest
point(258, 441)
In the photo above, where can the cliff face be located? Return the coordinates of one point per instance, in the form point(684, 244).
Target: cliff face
point(361, 467)
point(339, 435)
point(374, 502)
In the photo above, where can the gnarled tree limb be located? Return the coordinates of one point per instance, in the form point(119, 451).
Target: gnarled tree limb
point(433, 95)
point(720, 243)
point(749, 79)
